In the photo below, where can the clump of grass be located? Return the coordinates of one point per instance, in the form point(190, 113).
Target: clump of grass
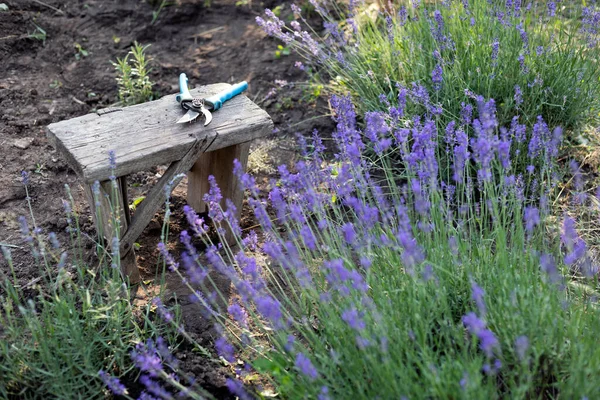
point(74, 320)
point(135, 86)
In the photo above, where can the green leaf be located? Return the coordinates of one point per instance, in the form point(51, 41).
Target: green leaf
point(136, 202)
point(3, 7)
point(264, 365)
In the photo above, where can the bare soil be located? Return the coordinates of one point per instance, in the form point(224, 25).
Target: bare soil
point(43, 81)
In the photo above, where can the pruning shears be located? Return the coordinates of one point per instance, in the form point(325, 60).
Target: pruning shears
point(197, 106)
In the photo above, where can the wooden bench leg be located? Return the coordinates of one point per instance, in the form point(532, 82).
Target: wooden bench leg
point(105, 223)
point(218, 163)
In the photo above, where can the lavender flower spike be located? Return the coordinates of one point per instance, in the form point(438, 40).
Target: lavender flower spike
point(305, 366)
point(112, 383)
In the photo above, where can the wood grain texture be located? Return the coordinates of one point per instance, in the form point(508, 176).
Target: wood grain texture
point(146, 135)
point(218, 163)
point(111, 201)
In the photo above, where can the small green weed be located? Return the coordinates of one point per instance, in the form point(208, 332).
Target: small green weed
point(156, 13)
point(80, 51)
point(134, 83)
point(55, 84)
point(282, 51)
point(39, 34)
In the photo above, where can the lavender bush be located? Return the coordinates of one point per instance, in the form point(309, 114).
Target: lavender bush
point(66, 333)
point(375, 288)
point(534, 58)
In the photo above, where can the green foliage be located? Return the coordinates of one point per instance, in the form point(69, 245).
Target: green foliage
point(39, 34)
point(60, 329)
point(80, 51)
point(156, 13)
point(55, 343)
point(372, 277)
point(552, 58)
point(282, 51)
point(134, 83)
point(559, 76)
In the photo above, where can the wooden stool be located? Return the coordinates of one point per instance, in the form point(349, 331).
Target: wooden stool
point(146, 135)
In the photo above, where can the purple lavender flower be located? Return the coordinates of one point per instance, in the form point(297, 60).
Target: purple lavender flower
point(412, 254)
point(466, 113)
point(269, 308)
point(461, 154)
point(225, 349)
point(173, 265)
point(390, 28)
point(521, 347)
point(524, 69)
point(384, 100)
point(576, 172)
point(473, 323)
point(436, 77)
point(165, 314)
point(477, 327)
point(352, 317)
point(237, 389)
point(194, 271)
point(112, 383)
point(495, 51)
point(531, 216)
point(155, 388)
point(213, 199)
point(487, 341)
point(590, 24)
point(261, 214)
point(402, 15)
point(197, 224)
point(306, 367)
point(362, 342)
point(112, 160)
point(25, 232)
point(539, 137)
point(24, 178)
point(145, 357)
point(551, 8)
point(348, 232)
point(548, 266)
point(296, 10)
point(504, 152)
point(477, 294)
point(437, 28)
point(523, 34)
point(464, 380)
point(518, 96)
point(308, 238)
point(54, 240)
point(377, 130)
point(324, 394)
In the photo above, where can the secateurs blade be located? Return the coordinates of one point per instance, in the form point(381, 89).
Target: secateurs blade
point(197, 106)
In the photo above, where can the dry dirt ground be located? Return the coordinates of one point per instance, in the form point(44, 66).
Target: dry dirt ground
point(45, 80)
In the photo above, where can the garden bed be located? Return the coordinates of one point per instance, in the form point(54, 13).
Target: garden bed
point(62, 70)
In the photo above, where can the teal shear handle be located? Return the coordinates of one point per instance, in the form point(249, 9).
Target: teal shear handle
point(216, 101)
point(184, 93)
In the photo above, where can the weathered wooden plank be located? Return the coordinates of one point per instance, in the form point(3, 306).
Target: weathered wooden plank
point(109, 208)
point(219, 164)
point(146, 135)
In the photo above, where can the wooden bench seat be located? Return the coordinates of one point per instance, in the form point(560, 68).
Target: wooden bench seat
point(146, 135)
